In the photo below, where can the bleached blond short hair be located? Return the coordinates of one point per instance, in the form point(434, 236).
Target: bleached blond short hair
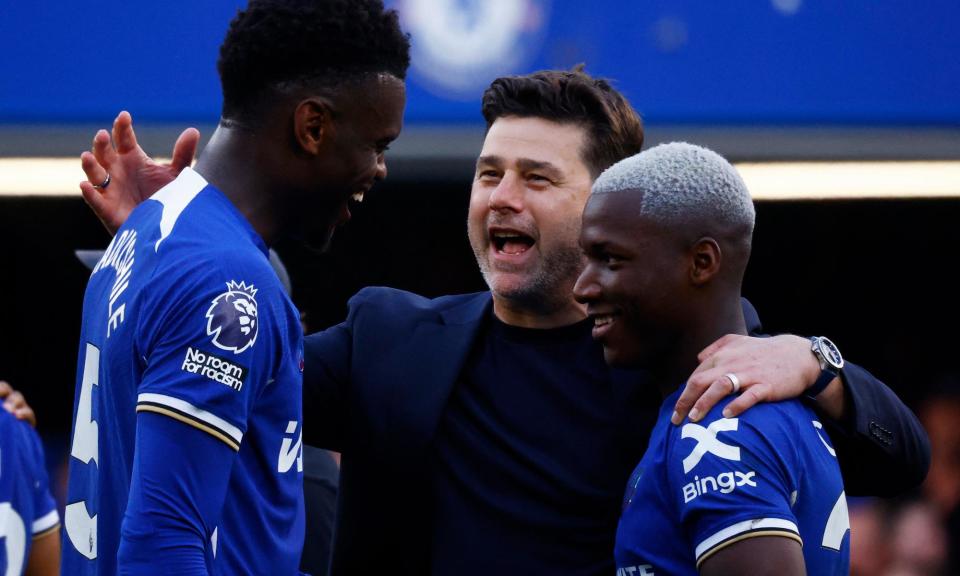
point(681, 182)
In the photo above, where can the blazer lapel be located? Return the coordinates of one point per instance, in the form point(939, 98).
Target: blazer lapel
point(434, 357)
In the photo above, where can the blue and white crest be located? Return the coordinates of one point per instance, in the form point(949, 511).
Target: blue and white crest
point(232, 318)
point(459, 46)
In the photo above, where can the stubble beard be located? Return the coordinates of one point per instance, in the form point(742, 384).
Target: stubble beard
point(548, 284)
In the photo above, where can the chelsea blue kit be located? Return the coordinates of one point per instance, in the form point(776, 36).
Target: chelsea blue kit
point(703, 486)
point(27, 510)
point(186, 448)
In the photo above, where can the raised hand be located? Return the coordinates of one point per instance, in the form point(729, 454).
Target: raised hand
point(16, 404)
point(133, 176)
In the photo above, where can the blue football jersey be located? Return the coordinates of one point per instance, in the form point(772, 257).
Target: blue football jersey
point(703, 486)
point(184, 317)
point(27, 510)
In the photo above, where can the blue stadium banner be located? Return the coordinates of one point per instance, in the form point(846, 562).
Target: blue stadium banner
point(762, 62)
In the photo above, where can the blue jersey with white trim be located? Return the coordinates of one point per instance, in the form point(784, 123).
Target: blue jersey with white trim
point(27, 510)
point(703, 486)
point(184, 317)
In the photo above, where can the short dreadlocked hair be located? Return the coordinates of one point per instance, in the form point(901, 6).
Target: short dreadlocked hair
point(280, 44)
point(614, 128)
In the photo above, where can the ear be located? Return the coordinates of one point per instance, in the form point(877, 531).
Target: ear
point(312, 124)
point(705, 261)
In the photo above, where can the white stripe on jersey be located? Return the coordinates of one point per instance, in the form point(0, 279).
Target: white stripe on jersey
point(47, 522)
point(742, 527)
point(175, 196)
point(206, 417)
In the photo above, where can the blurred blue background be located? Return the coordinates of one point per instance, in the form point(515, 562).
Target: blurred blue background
point(763, 62)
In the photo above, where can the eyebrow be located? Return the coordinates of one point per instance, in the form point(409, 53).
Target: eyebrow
point(525, 164)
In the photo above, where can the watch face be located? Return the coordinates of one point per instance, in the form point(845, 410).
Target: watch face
point(830, 353)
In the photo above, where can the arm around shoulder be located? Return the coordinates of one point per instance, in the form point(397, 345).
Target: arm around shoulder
point(882, 448)
point(326, 373)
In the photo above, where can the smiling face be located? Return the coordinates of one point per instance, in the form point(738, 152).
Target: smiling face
point(524, 221)
point(635, 280)
point(361, 121)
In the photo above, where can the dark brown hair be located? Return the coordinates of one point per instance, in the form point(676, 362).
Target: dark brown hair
point(614, 128)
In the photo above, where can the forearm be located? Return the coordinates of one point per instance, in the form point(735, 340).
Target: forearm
point(178, 486)
point(171, 549)
point(882, 448)
point(44, 555)
point(325, 376)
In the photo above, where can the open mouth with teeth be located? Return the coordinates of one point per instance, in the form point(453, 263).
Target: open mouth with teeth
point(602, 323)
point(602, 319)
point(512, 243)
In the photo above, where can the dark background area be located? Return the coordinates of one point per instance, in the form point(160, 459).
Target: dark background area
point(875, 276)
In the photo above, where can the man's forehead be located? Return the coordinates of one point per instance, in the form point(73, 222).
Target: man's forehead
point(377, 100)
point(612, 214)
point(536, 139)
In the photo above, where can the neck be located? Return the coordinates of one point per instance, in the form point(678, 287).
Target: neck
point(524, 315)
point(712, 322)
point(234, 161)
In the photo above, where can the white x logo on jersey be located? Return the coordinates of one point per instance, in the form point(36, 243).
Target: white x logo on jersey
point(707, 441)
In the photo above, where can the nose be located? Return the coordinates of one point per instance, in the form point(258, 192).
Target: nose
point(381, 167)
point(586, 289)
point(508, 195)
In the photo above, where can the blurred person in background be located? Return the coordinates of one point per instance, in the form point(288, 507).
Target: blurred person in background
point(483, 433)
point(918, 542)
point(29, 522)
point(940, 415)
point(869, 537)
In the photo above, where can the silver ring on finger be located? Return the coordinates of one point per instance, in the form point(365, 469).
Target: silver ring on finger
point(104, 184)
point(734, 381)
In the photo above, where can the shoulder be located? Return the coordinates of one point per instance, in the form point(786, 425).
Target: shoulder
point(21, 442)
point(229, 293)
point(380, 298)
point(765, 415)
point(203, 269)
point(767, 432)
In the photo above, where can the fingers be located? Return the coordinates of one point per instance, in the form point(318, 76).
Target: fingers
point(109, 215)
point(184, 149)
point(16, 404)
point(697, 385)
point(95, 175)
point(746, 400)
point(707, 386)
point(13, 401)
point(717, 346)
point(93, 197)
point(92, 168)
point(103, 152)
point(123, 136)
point(691, 392)
point(700, 395)
point(26, 413)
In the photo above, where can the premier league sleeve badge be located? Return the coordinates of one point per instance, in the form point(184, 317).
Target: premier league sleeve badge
point(232, 318)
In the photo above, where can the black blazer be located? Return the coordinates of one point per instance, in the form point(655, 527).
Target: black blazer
point(375, 386)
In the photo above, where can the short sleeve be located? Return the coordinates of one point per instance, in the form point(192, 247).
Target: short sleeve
point(208, 339)
point(734, 478)
point(46, 518)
